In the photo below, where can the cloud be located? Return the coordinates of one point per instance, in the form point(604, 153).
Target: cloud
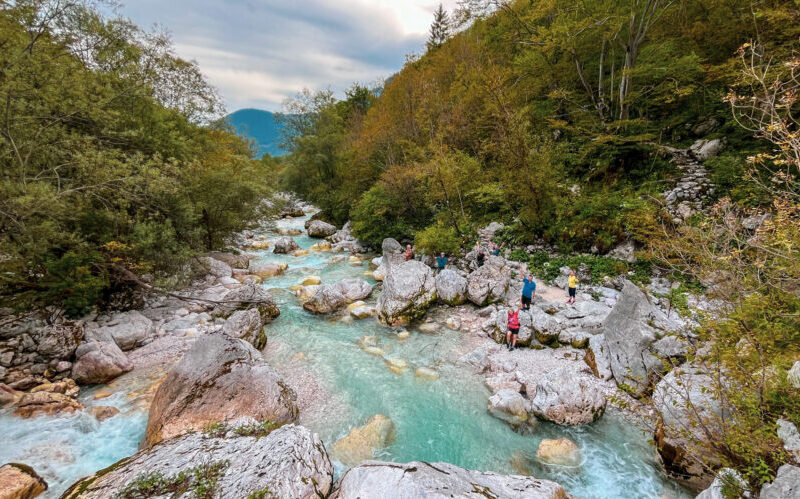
point(259, 52)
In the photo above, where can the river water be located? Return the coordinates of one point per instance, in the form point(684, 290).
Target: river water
point(441, 420)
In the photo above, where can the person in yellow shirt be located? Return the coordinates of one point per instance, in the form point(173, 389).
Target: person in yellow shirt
point(572, 282)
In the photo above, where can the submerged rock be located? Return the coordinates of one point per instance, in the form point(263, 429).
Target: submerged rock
point(99, 362)
point(327, 299)
point(426, 373)
point(220, 379)
point(19, 481)
point(360, 444)
point(567, 398)
point(561, 451)
point(407, 291)
point(380, 480)
point(288, 462)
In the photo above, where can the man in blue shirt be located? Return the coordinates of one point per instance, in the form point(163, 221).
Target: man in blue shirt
point(528, 289)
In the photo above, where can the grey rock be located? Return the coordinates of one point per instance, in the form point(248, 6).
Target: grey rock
point(567, 398)
point(597, 357)
point(725, 478)
point(510, 406)
point(629, 336)
point(58, 341)
point(407, 291)
point(251, 295)
point(354, 289)
point(794, 374)
point(671, 347)
point(390, 245)
point(289, 462)
point(216, 267)
point(451, 288)
point(234, 261)
point(285, 245)
point(379, 480)
point(624, 252)
point(319, 229)
point(326, 300)
point(247, 325)
point(220, 379)
point(99, 362)
point(788, 433)
point(785, 486)
point(707, 149)
point(128, 330)
point(487, 285)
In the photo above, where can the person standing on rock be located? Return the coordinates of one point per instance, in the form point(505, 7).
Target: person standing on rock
point(481, 257)
point(513, 327)
point(496, 249)
point(409, 253)
point(441, 262)
point(572, 284)
point(528, 289)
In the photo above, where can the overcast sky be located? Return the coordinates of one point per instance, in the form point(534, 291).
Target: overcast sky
point(259, 52)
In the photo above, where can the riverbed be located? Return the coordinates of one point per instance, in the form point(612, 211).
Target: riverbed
point(340, 387)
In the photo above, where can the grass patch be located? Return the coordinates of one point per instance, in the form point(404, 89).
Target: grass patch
point(200, 480)
point(547, 268)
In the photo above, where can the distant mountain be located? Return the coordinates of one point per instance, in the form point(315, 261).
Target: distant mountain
point(260, 126)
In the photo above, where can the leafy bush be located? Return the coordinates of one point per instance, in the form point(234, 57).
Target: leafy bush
point(437, 238)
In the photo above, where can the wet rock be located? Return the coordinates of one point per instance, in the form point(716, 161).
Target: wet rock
point(251, 295)
point(319, 229)
point(288, 462)
point(397, 366)
point(567, 398)
point(487, 285)
point(311, 280)
point(560, 451)
point(407, 291)
point(305, 292)
point(426, 373)
point(785, 486)
point(216, 267)
point(99, 362)
point(362, 312)
point(597, 357)
point(240, 261)
point(354, 289)
point(380, 480)
point(326, 300)
point(629, 334)
point(453, 323)
point(285, 245)
point(247, 325)
point(429, 328)
point(686, 394)
point(451, 288)
point(510, 406)
point(360, 444)
point(19, 481)
point(43, 403)
point(219, 379)
point(128, 330)
point(265, 270)
point(103, 412)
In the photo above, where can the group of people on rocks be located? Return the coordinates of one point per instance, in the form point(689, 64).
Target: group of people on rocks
point(528, 286)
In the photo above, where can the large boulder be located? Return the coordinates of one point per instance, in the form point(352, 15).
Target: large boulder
point(407, 291)
point(219, 379)
point(251, 295)
point(128, 330)
point(451, 288)
point(19, 481)
point(689, 420)
point(510, 406)
point(216, 267)
point(327, 299)
point(247, 325)
point(726, 478)
point(240, 261)
point(99, 362)
point(360, 444)
point(285, 245)
point(288, 462)
point(785, 486)
point(380, 480)
point(597, 357)
point(567, 398)
point(354, 289)
point(49, 399)
point(319, 229)
point(487, 285)
point(389, 246)
point(630, 330)
point(59, 340)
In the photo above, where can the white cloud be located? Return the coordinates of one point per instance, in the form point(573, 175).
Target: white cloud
point(259, 52)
